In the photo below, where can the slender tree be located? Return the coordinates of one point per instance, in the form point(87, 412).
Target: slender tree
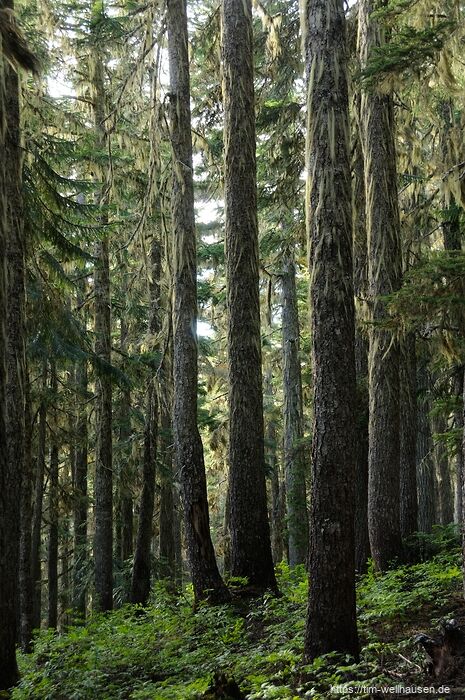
point(26, 587)
point(362, 541)
point(293, 448)
point(53, 496)
point(80, 498)
point(103, 487)
point(384, 276)
point(425, 467)
point(331, 620)
point(140, 584)
point(248, 518)
point(206, 579)
point(408, 437)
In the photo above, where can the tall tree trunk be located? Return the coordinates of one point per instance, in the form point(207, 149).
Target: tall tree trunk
point(14, 335)
point(36, 558)
point(384, 276)
point(140, 582)
point(80, 500)
point(167, 497)
point(293, 449)
point(443, 476)
point(103, 486)
point(277, 500)
point(52, 560)
point(331, 617)
point(360, 255)
point(26, 586)
point(206, 579)
point(458, 425)
point(463, 488)
point(140, 585)
point(167, 544)
point(126, 516)
point(452, 240)
point(250, 532)
point(277, 503)
point(425, 466)
point(408, 437)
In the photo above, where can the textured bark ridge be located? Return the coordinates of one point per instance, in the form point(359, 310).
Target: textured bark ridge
point(206, 579)
point(250, 532)
point(331, 622)
point(384, 276)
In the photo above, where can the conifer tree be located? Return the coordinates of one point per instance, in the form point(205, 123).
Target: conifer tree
point(331, 618)
point(248, 517)
point(384, 277)
point(206, 579)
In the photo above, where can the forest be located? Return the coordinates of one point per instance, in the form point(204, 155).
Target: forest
point(232, 349)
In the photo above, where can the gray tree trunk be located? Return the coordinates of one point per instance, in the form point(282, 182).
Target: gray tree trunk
point(293, 449)
point(26, 587)
point(360, 254)
point(331, 616)
point(425, 465)
point(408, 437)
point(384, 277)
point(52, 555)
point(140, 584)
point(36, 559)
point(13, 412)
point(103, 486)
point(80, 498)
point(458, 425)
point(125, 505)
point(445, 505)
point(250, 532)
point(190, 466)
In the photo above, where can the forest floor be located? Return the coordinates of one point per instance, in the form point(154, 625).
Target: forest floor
point(254, 650)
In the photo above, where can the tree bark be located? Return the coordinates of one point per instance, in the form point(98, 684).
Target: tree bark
point(331, 616)
point(206, 579)
point(125, 545)
point(463, 487)
point(443, 477)
point(36, 562)
point(13, 314)
point(167, 495)
point(140, 585)
point(26, 586)
point(293, 449)
point(52, 560)
point(250, 532)
point(425, 466)
point(360, 255)
point(277, 498)
point(80, 503)
point(103, 486)
point(384, 277)
point(80, 499)
point(167, 543)
point(140, 582)
point(408, 437)
point(458, 425)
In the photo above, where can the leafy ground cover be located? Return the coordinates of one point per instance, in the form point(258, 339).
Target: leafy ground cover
point(171, 652)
